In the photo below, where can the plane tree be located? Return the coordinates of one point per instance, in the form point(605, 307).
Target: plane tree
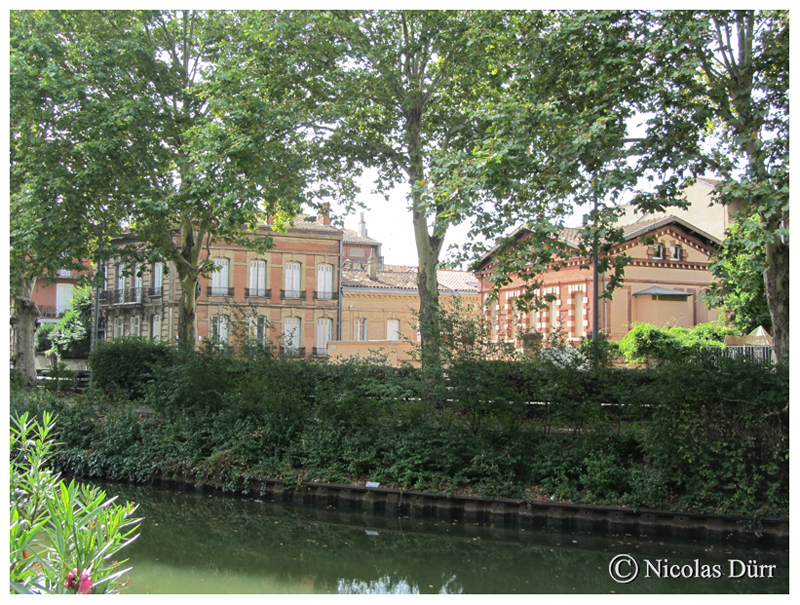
point(217, 107)
point(404, 98)
point(610, 103)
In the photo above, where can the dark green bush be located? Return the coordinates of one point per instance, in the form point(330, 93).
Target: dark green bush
point(42, 341)
point(125, 365)
point(710, 434)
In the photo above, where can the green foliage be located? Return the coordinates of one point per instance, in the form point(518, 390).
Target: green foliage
point(739, 286)
point(64, 537)
point(126, 365)
point(646, 342)
point(705, 433)
point(43, 338)
point(71, 338)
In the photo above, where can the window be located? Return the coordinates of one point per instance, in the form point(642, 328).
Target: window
point(555, 320)
point(119, 327)
point(658, 252)
point(155, 327)
point(324, 334)
point(137, 283)
point(219, 329)
point(291, 335)
point(291, 275)
point(258, 329)
point(675, 253)
point(393, 329)
point(157, 278)
point(258, 278)
point(325, 282)
point(579, 331)
point(360, 329)
point(64, 273)
point(219, 278)
point(63, 298)
point(136, 326)
point(120, 277)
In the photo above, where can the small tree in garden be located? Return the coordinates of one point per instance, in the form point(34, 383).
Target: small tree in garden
point(64, 537)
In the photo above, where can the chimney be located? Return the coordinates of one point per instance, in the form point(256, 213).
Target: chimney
point(362, 227)
point(325, 214)
point(372, 266)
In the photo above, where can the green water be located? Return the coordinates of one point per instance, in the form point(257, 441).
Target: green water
point(192, 542)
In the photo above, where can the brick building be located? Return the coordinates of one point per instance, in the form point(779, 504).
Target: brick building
point(663, 285)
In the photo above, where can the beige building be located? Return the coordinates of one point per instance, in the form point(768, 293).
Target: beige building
point(380, 305)
point(702, 211)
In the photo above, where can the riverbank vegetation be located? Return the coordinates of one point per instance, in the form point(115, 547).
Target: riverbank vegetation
point(700, 433)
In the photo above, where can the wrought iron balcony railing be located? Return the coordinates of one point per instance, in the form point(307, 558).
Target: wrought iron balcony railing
point(289, 294)
point(257, 292)
point(215, 291)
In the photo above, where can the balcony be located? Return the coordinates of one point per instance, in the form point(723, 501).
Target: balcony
point(155, 291)
point(293, 294)
point(216, 291)
point(52, 312)
point(293, 352)
point(257, 293)
point(320, 352)
point(122, 296)
point(323, 295)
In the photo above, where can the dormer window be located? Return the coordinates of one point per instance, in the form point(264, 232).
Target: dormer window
point(675, 253)
point(658, 252)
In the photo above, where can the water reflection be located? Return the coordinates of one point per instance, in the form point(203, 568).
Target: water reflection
point(195, 542)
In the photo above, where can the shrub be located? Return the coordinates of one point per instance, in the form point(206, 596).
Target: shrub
point(126, 364)
point(42, 338)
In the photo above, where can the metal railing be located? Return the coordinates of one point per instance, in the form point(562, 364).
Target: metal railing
point(293, 351)
point(257, 293)
point(122, 296)
point(293, 294)
point(320, 352)
point(217, 291)
point(323, 295)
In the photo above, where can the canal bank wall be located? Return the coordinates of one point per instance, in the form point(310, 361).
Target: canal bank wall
point(562, 515)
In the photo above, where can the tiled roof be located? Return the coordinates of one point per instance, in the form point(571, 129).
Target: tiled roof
point(573, 235)
point(310, 223)
point(399, 277)
point(351, 237)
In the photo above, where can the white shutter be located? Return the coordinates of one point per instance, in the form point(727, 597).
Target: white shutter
point(324, 334)
point(120, 276)
point(157, 278)
point(258, 278)
point(155, 330)
point(219, 279)
point(393, 329)
point(292, 280)
point(291, 334)
point(119, 327)
point(63, 297)
point(325, 281)
point(136, 326)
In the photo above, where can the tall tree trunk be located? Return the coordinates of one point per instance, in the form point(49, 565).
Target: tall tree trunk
point(188, 274)
point(23, 316)
point(187, 311)
point(428, 284)
point(428, 247)
point(776, 281)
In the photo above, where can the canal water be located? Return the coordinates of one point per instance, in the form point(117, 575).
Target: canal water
point(195, 542)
